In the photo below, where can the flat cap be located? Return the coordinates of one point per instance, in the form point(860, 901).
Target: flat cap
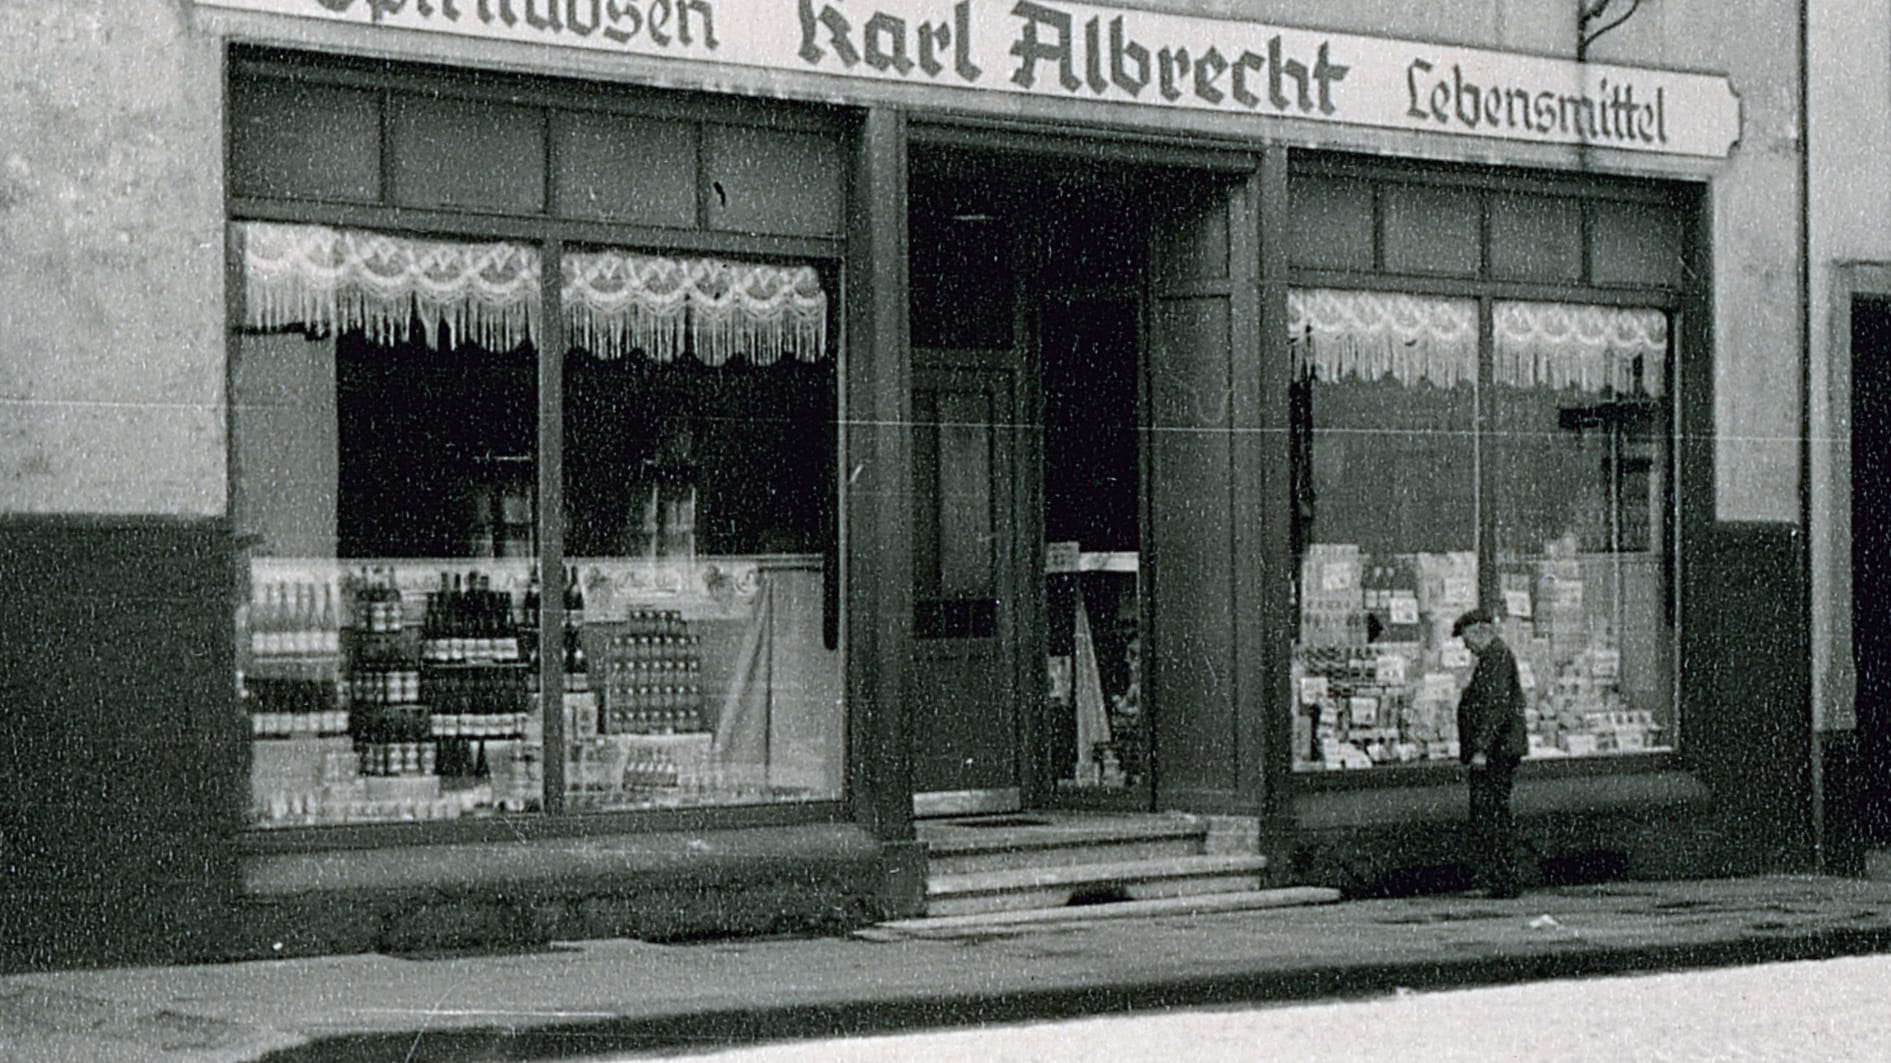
point(1475, 616)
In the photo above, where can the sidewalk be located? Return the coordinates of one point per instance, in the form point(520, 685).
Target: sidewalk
point(604, 996)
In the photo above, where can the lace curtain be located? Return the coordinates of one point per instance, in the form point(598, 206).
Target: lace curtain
point(616, 302)
point(1593, 348)
point(1413, 339)
point(1373, 335)
point(613, 302)
point(340, 279)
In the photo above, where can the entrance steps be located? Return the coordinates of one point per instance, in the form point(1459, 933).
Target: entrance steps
point(1052, 867)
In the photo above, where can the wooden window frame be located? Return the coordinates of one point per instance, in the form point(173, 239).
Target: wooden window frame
point(551, 235)
point(1689, 373)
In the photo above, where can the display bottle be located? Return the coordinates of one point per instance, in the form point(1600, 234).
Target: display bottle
point(576, 671)
point(260, 604)
point(528, 621)
point(457, 641)
point(574, 599)
point(375, 598)
point(329, 623)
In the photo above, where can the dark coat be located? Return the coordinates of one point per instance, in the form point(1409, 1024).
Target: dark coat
point(1490, 711)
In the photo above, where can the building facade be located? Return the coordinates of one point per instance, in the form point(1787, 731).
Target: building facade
point(1849, 244)
point(850, 414)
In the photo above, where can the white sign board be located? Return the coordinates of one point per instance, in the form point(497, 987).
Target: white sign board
point(1115, 55)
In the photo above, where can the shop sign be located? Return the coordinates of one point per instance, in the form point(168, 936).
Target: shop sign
point(1089, 52)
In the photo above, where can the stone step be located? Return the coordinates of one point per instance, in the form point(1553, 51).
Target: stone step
point(951, 926)
point(1017, 889)
point(968, 846)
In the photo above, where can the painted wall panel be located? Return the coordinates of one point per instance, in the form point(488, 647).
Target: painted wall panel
point(1191, 515)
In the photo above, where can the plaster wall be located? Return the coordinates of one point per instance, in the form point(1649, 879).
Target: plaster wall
point(111, 284)
point(1849, 113)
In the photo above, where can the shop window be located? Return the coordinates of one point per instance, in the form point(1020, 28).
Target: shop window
point(1332, 223)
point(383, 409)
point(699, 468)
point(291, 139)
point(605, 172)
point(771, 181)
point(1633, 244)
point(470, 154)
point(385, 414)
point(1535, 238)
point(1431, 230)
point(1400, 458)
point(1576, 460)
point(1385, 523)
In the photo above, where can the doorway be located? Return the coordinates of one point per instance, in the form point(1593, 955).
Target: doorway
point(1096, 734)
point(1871, 559)
point(1026, 281)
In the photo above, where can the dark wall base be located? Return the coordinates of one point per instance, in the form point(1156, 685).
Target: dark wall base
point(122, 777)
point(1844, 833)
point(660, 887)
point(1746, 726)
point(1410, 840)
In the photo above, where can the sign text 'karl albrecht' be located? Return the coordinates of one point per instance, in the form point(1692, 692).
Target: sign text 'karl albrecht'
point(1136, 58)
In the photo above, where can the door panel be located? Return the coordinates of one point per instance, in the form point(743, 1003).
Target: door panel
point(1203, 353)
point(964, 685)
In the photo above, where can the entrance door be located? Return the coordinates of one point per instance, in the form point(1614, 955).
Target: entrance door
point(1096, 729)
point(1871, 560)
point(965, 683)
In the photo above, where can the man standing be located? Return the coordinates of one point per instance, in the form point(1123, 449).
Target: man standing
point(1492, 738)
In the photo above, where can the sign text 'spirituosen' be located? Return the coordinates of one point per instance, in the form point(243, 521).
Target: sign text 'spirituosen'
point(661, 22)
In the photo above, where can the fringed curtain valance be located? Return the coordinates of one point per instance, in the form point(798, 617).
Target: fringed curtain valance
point(614, 302)
point(617, 301)
point(340, 279)
point(1372, 335)
point(1594, 348)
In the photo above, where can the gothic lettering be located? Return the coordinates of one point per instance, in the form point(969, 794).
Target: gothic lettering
point(577, 24)
point(839, 34)
point(1120, 52)
point(1030, 48)
point(1611, 111)
point(547, 21)
point(1208, 70)
point(1173, 64)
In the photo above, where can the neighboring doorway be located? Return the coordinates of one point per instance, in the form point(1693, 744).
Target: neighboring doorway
point(1871, 559)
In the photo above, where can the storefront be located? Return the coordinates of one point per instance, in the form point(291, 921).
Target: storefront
point(695, 441)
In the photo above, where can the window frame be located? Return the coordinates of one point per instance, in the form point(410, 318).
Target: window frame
point(1678, 300)
point(549, 234)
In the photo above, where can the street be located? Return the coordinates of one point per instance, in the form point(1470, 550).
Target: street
point(1816, 1010)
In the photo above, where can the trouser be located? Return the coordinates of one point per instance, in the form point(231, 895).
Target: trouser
point(1492, 833)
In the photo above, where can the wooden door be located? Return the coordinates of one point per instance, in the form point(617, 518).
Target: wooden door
point(964, 689)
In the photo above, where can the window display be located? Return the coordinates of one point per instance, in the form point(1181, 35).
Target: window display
point(385, 413)
point(1578, 455)
point(700, 508)
point(1402, 464)
point(1386, 524)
